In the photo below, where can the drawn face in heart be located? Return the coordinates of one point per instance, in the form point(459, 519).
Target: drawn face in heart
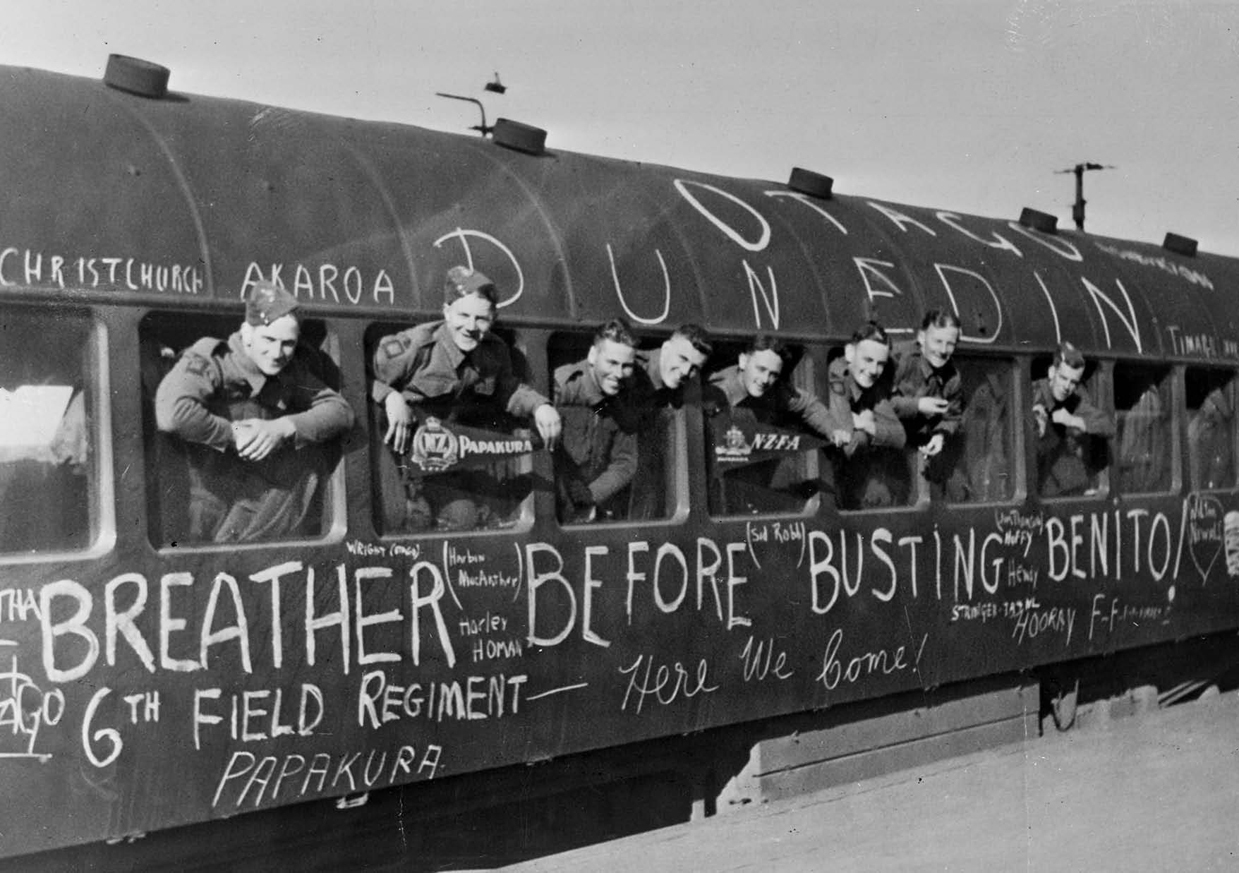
point(1204, 532)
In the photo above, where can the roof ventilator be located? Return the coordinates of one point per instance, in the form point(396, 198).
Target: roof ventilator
point(520, 137)
point(1041, 221)
point(1180, 245)
point(136, 76)
point(811, 183)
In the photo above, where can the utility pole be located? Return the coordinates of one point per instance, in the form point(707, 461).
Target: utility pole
point(1077, 209)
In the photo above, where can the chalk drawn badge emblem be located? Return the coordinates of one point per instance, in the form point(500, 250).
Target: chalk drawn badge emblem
point(434, 446)
point(736, 447)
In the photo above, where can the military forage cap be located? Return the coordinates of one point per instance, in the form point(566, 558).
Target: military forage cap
point(461, 282)
point(268, 302)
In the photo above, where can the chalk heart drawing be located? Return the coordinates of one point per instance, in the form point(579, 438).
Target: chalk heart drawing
point(1205, 520)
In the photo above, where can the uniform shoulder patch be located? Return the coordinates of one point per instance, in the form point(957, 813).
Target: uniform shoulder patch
point(196, 364)
point(395, 346)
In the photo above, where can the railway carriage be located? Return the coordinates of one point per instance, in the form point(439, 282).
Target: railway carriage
point(153, 683)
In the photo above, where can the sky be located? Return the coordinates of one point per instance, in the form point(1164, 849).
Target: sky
point(966, 105)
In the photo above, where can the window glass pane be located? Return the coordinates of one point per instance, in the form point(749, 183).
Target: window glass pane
point(1143, 444)
point(1210, 428)
point(221, 466)
point(48, 450)
point(1070, 458)
point(463, 462)
point(976, 464)
point(761, 452)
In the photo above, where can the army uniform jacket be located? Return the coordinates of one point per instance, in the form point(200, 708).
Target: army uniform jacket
point(649, 378)
point(915, 378)
point(1097, 422)
point(215, 383)
point(779, 401)
point(599, 432)
point(848, 397)
point(430, 370)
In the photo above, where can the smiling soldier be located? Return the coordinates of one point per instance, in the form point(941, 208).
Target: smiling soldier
point(452, 370)
point(598, 457)
point(663, 377)
point(754, 388)
point(255, 416)
point(927, 394)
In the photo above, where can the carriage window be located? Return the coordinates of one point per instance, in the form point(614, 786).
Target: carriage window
point(976, 464)
point(1143, 439)
point(205, 405)
point(614, 456)
point(762, 457)
point(1070, 460)
point(1211, 428)
point(461, 462)
point(49, 479)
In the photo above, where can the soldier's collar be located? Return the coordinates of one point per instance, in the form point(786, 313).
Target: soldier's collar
point(455, 356)
point(733, 387)
point(593, 391)
point(653, 368)
point(855, 392)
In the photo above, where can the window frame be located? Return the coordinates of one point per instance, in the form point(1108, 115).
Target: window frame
point(333, 490)
point(101, 491)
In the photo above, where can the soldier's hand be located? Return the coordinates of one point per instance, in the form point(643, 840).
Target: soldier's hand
point(255, 438)
point(934, 445)
point(932, 406)
point(865, 421)
point(546, 418)
point(399, 422)
point(841, 437)
point(1041, 417)
point(1066, 419)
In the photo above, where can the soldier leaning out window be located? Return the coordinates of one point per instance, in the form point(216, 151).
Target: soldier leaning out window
point(453, 379)
point(257, 422)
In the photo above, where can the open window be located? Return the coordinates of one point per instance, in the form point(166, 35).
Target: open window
point(199, 494)
point(1070, 461)
point(1211, 428)
point(49, 452)
point(613, 455)
point(468, 463)
point(761, 457)
point(872, 476)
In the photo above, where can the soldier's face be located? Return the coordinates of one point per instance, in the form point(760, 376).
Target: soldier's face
point(866, 361)
point(612, 364)
point(468, 320)
point(759, 371)
point(679, 361)
point(271, 346)
point(938, 344)
point(1064, 380)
